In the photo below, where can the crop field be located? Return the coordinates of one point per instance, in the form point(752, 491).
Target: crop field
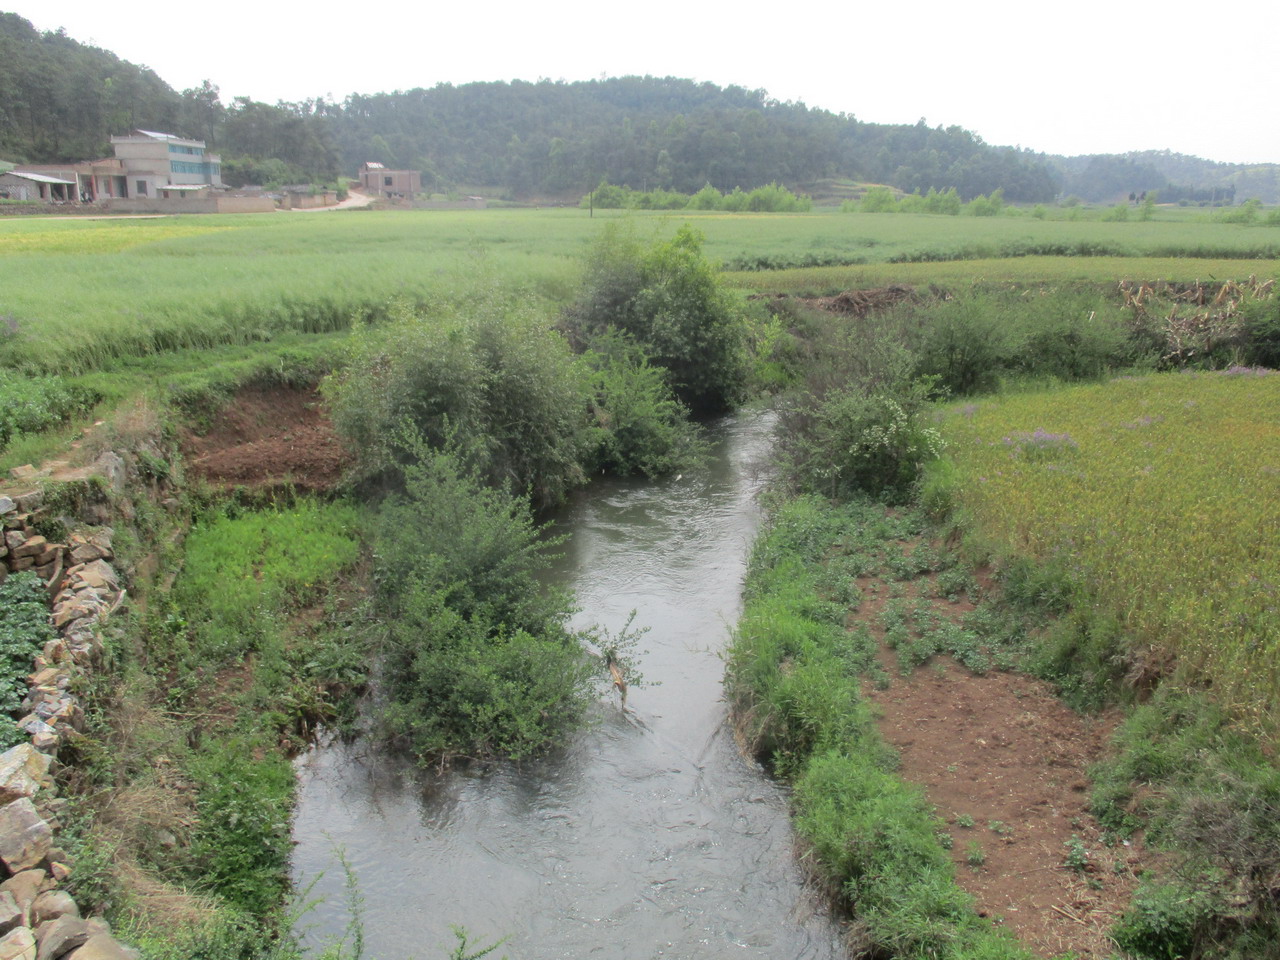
point(1157, 498)
point(1096, 270)
point(79, 294)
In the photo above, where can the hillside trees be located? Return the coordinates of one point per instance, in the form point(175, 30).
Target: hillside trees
point(63, 100)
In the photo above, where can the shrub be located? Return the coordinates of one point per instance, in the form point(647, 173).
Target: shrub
point(33, 404)
point(240, 848)
point(963, 346)
point(984, 206)
point(489, 368)
point(865, 441)
point(1262, 333)
point(24, 630)
point(638, 425)
point(878, 200)
point(669, 300)
point(477, 659)
point(1162, 922)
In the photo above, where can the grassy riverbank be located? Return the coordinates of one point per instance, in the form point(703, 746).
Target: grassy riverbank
point(1132, 514)
point(795, 675)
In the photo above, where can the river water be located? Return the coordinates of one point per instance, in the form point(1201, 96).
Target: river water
point(649, 835)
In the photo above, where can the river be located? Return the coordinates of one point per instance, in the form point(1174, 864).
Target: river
point(649, 835)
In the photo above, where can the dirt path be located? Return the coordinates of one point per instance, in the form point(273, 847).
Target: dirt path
point(354, 199)
point(1005, 763)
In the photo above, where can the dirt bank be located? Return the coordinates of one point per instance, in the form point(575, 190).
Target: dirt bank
point(266, 437)
point(1005, 763)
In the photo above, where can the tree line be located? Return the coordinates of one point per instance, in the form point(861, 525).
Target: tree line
point(62, 100)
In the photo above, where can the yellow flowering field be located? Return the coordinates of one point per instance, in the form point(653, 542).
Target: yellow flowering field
point(1159, 498)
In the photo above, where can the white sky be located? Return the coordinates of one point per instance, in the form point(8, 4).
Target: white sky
point(1085, 77)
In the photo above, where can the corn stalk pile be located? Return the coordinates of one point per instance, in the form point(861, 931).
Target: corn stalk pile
point(1194, 319)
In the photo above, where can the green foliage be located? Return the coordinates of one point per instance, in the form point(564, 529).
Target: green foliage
point(1247, 212)
point(477, 658)
point(669, 300)
point(878, 200)
point(984, 206)
point(1163, 923)
point(245, 573)
point(770, 198)
point(31, 404)
point(488, 368)
point(1117, 214)
point(24, 630)
point(639, 426)
point(240, 849)
point(857, 439)
point(1262, 332)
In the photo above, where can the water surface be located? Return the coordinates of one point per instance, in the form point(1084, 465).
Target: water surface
point(648, 835)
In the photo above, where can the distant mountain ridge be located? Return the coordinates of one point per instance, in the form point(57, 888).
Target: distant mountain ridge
point(60, 100)
point(1175, 176)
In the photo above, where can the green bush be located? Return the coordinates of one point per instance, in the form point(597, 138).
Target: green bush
point(983, 206)
point(878, 200)
point(638, 425)
point(856, 439)
point(1162, 923)
point(24, 630)
point(489, 368)
point(33, 404)
point(1262, 333)
point(963, 345)
point(477, 657)
point(669, 300)
point(240, 847)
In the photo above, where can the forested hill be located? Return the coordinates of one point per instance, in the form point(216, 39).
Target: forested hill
point(662, 132)
point(60, 100)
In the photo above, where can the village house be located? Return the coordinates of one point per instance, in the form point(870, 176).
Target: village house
point(377, 181)
point(146, 165)
point(151, 172)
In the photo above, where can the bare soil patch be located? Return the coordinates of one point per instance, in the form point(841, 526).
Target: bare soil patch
point(1005, 763)
point(269, 436)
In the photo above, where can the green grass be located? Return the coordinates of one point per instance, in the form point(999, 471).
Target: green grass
point(1151, 502)
point(79, 294)
point(1102, 269)
point(243, 576)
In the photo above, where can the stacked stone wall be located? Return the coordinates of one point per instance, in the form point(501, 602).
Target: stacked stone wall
point(38, 919)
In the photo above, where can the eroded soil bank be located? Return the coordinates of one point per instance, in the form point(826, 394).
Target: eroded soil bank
point(268, 436)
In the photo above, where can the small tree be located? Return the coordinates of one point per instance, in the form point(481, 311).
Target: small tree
point(879, 200)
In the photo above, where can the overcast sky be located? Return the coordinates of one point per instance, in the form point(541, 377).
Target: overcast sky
point(1085, 77)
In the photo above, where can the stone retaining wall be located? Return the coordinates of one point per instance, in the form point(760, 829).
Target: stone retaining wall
point(39, 921)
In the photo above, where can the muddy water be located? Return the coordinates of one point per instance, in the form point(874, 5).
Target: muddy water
point(649, 835)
